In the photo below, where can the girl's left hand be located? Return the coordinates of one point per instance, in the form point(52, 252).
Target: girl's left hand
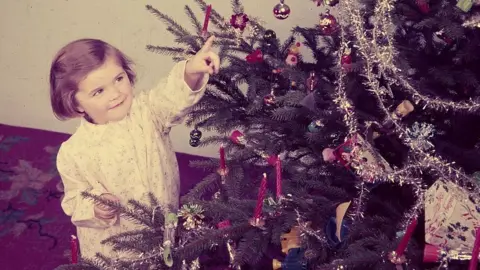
point(205, 61)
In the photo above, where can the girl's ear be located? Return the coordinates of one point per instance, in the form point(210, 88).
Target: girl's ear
point(79, 107)
point(80, 110)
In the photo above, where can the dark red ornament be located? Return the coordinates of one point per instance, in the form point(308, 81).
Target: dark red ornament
point(255, 57)
point(346, 60)
point(269, 100)
point(328, 23)
point(423, 6)
point(239, 21)
point(281, 10)
point(311, 82)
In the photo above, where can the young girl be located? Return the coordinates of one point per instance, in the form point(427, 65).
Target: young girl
point(122, 148)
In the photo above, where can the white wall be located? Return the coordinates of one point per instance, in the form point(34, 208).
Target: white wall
point(31, 31)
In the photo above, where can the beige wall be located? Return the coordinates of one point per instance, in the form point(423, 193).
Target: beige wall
point(31, 31)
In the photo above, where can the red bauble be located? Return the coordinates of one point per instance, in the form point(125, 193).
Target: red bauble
point(281, 11)
point(255, 57)
point(423, 6)
point(346, 59)
point(328, 24)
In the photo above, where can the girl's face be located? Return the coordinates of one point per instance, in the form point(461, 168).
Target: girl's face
point(106, 93)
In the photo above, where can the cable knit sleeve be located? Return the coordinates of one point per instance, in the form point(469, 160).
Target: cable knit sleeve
point(171, 100)
point(74, 204)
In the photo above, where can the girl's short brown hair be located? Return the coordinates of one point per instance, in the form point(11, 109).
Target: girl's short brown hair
point(72, 64)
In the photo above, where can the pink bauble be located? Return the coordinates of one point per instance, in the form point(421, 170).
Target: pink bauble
point(328, 155)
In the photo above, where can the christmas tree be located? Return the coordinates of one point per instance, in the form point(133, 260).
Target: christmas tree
point(330, 159)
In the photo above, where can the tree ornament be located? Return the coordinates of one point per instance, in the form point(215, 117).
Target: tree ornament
point(423, 6)
point(337, 229)
point(195, 136)
point(293, 85)
point(346, 60)
point(330, 3)
point(239, 21)
point(358, 154)
point(269, 41)
point(420, 136)
point(293, 52)
point(281, 11)
point(442, 41)
point(269, 100)
point(255, 57)
point(269, 35)
point(295, 254)
point(192, 216)
point(315, 126)
point(328, 155)
point(328, 23)
point(466, 5)
point(194, 142)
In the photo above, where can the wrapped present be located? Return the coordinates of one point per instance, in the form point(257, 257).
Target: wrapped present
point(360, 155)
point(451, 217)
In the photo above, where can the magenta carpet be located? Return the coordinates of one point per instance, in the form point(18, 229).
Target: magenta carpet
point(34, 231)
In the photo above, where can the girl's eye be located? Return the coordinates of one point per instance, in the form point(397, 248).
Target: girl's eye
point(98, 92)
point(119, 79)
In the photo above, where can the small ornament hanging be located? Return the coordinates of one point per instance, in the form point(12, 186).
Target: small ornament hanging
point(281, 10)
point(328, 23)
point(195, 136)
point(239, 21)
point(293, 86)
point(330, 3)
point(423, 6)
point(293, 52)
point(269, 100)
point(442, 41)
point(346, 60)
point(269, 35)
point(291, 246)
point(315, 126)
point(311, 82)
point(269, 41)
point(255, 57)
point(466, 5)
point(192, 216)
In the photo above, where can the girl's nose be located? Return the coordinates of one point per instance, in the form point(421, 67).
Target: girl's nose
point(115, 93)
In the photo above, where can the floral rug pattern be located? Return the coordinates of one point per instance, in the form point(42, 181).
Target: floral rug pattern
point(34, 231)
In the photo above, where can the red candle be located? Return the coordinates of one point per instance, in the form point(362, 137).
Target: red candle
point(222, 158)
point(207, 19)
point(261, 195)
point(476, 250)
point(279, 178)
point(408, 234)
point(74, 249)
